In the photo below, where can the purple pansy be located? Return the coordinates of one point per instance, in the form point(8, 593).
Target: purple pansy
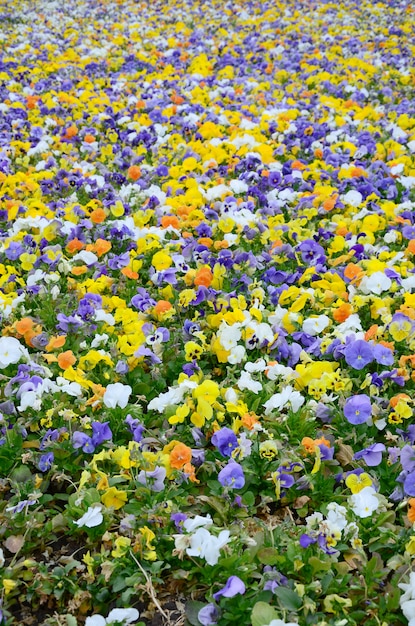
point(208, 615)
point(358, 409)
point(407, 458)
point(358, 354)
point(409, 484)
point(232, 475)
point(225, 441)
point(45, 462)
point(234, 586)
point(383, 355)
point(100, 432)
point(153, 480)
point(371, 455)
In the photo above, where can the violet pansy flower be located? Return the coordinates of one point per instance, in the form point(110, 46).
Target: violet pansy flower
point(372, 455)
point(358, 409)
point(358, 354)
point(232, 475)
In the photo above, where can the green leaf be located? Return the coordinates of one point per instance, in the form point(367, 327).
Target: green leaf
point(317, 565)
point(268, 556)
point(288, 598)
point(70, 620)
point(141, 389)
point(119, 584)
point(248, 498)
point(326, 581)
point(192, 611)
point(262, 614)
point(392, 601)
point(6, 463)
point(21, 474)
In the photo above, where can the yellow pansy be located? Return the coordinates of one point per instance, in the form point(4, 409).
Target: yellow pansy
point(186, 297)
point(181, 413)
point(193, 350)
point(121, 547)
point(147, 536)
point(89, 562)
point(9, 585)
point(161, 261)
point(114, 498)
point(357, 482)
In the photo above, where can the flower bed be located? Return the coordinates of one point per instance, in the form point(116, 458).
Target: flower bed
point(207, 239)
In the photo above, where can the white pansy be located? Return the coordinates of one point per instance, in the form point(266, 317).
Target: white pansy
point(262, 331)
point(198, 521)
point(277, 316)
point(258, 366)
point(279, 400)
point(247, 382)
point(365, 502)
point(72, 389)
point(95, 620)
point(237, 355)
point(174, 395)
point(207, 546)
point(35, 278)
point(124, 616)
point(408, 284)
point(40, 147)
point(231, 238)
point(93, 517)
point(276, 370)
point(408, 609)
point(30, 399)
point(229, 335)
point(238, 186)
point(102, 316)
point(352, 197)
point(11, 351)
point(117, 394)
point(231, 395)
point(391, 236)
point(215, 192)
point(397, 132)
point(315, 325)
point(89, 258)
point(336, 516)
point(376, 283)
point(408, 588)
point(397, 169)
point(352, 324)
point(99, 340)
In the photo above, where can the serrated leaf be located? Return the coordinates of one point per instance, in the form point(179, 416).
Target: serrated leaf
point(288, 598)
point(263, 614)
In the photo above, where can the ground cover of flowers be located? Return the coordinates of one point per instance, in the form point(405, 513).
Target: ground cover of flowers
point(207, 277)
